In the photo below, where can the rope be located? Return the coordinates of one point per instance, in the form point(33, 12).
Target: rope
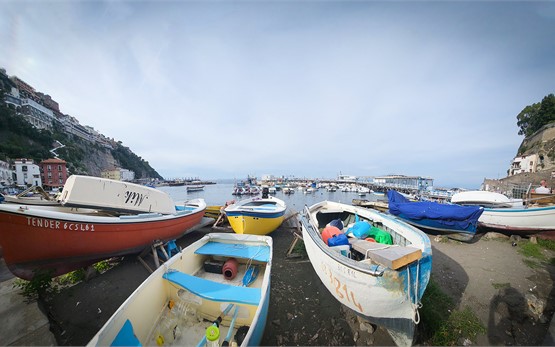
point(415, 305)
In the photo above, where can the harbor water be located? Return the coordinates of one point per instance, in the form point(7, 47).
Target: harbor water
point(220, 193)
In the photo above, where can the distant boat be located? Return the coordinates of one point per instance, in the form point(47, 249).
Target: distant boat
point(97, 219)
point(194, 188)
point(259, 216)
point(382, 283)
point(454, 221)
point(190, 299)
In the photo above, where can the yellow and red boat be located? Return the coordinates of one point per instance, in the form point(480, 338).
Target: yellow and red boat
point(258, 216)
point(97, 219)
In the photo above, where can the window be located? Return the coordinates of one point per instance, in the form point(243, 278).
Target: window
point(49, 167)
point(59, 167)
point(24, 168)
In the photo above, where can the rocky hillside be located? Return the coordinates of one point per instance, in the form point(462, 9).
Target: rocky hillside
point(542, 143)
point(18, 139)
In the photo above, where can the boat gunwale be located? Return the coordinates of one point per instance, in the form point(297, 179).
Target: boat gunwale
point(371, 269)
point(54, 213)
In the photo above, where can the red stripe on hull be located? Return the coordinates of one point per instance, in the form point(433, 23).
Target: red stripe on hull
point(31, 243)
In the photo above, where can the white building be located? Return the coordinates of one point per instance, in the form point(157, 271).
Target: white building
point(41, 117)
point(401, 181)
point(27, 173)
point(127, 175)
point(6, 174)
point(525, 163)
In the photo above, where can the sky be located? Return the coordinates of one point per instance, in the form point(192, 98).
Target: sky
point(226, 89)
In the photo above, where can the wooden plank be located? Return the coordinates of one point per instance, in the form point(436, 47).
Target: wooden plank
point(542, 199)
point(393, 257)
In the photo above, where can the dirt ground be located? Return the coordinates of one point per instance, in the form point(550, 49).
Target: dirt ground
point(514, 301)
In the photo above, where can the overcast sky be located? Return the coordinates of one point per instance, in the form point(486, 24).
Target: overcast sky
point(225, 89)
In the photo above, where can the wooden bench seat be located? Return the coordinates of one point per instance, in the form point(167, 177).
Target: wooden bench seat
point(392, 256)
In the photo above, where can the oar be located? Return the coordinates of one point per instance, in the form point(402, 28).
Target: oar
point(250, 276)
point(231, 325)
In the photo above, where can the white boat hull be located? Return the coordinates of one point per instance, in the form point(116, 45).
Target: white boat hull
point(536, 220)
point(381, 295)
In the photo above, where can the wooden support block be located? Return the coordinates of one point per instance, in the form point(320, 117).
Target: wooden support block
point(393, 257)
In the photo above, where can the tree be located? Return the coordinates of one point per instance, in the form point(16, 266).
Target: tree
point(534, 116)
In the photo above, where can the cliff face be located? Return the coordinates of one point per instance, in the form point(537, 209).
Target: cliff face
point(542, 143)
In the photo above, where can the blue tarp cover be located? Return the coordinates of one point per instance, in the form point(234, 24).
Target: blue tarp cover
point(461, 215)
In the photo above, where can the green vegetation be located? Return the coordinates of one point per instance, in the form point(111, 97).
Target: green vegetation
point(534, 251)
point(529, 249)
point(21, 140)
point(500, 285)
point(43, 283)
point(534, 116)
point(38, 287)
point(442, 324)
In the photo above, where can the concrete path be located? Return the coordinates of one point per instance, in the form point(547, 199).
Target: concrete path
point(23, 324)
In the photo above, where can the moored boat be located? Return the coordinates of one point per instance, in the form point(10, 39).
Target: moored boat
point(454, 221)
point(258, 215)
point(532, 216)
point(97, 219)
point(216, 288)
point(382, 283)
point(194, 188)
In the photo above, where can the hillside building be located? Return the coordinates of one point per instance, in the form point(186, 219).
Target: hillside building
point(118, 174)
point(406, 182)
point(27, 173)
point(53, 173)
point(524, 163)
point(6, 174)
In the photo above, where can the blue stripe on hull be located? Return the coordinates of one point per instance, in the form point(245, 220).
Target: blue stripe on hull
point(255, 214)
point(261, 322)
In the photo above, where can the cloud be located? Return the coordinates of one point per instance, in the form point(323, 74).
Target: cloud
point(308, 89)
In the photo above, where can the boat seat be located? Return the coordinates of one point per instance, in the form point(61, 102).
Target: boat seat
point(235, 250)
point(215, 291)
point(392, 256)
point(126, 336)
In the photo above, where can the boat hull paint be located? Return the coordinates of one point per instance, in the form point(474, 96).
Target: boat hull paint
point(255, 225)
point(56, 241)
point(526, 221)
point(386, 297)
point(256, 216)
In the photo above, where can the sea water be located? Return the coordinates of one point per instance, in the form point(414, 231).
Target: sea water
point(220, 193)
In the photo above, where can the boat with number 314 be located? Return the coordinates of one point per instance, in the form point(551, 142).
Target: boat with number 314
point(382, 282)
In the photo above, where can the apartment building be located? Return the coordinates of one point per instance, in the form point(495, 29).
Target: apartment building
point(53, 173)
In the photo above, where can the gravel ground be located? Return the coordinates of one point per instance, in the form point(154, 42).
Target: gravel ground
point(514, 301)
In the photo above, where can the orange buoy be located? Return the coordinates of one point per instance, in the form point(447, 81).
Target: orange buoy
point(369, 239)
point(330, 231)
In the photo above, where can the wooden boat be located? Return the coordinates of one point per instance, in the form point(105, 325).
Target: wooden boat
point(454, 221)
point(258, 216)
point(524, 221)
point(532, 216)
point(381, 206)
point(382, 283)
point(179, 302)
point(97, 219)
